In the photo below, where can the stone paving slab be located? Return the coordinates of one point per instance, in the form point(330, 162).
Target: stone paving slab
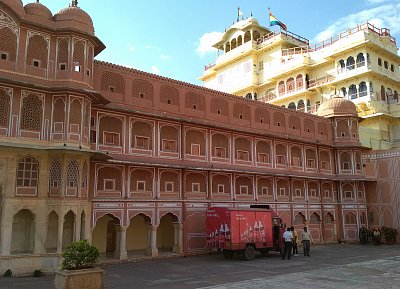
point(374, 274)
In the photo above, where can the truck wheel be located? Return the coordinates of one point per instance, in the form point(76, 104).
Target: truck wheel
point(249, 253)
point(228, 254)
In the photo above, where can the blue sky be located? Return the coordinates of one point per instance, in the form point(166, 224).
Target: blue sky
point(173, 38)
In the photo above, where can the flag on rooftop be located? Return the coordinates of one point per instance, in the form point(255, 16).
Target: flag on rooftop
point(273, 21)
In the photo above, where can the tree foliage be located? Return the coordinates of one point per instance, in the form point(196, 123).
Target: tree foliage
point(79, 255)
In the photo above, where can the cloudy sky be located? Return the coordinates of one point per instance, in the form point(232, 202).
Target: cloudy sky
point(173, 38)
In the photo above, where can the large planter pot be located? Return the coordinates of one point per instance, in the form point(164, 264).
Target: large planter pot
point(91, 278)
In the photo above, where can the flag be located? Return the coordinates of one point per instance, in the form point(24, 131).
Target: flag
point(273, 21)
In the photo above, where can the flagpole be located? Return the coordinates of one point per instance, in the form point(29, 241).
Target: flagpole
point(269, 18)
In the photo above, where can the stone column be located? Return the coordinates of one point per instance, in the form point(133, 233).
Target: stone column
point(178, 239)
point(40, 237)
point(6, 232)
point(120, 251)
point(78, 228)
point(152, 240)
point(335, 237)
point(60, 235)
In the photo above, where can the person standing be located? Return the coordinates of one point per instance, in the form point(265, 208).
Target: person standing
point(306, 240)
point(295, 251)
point(287, 249)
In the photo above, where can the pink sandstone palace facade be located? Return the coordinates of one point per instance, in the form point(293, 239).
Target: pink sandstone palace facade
point(131, 160)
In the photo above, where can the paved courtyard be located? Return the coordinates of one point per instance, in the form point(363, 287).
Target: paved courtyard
point(333, 266)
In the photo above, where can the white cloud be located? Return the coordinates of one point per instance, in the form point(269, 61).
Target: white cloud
point(131, 47)
point(154, 69)
point(374, 2)
point(164, 57)
point(149, 46)
point(206, 41)
point(386, 15)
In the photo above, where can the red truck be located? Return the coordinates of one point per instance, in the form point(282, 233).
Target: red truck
point(244, 230)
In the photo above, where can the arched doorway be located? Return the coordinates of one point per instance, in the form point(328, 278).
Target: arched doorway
point(68, 229)
point(52, 233)
point(105, 234)
point(166, 236)
point(23, 233)
point(137, 235)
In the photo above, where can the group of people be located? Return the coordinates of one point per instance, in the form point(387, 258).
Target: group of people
point(290, 237)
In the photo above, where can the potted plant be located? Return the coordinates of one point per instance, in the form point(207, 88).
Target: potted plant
point(390, 235)
point(77, 269)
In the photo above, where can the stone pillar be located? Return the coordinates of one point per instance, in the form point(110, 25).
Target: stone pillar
point(335, 237)
point(178, 239)
point(152, 240)
point(120, 251)
point(6, 232)
point(40, 237)
point(60, 235)
point(78, 228)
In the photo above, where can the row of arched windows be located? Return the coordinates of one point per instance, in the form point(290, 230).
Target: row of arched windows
point(32, 113)
point(352, 63)
point(74, 55)
point(28, 175)
point(291, 84)
point(236, 42)
point(23, 236)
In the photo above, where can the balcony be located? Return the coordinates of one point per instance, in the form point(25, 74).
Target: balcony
point(382, 32)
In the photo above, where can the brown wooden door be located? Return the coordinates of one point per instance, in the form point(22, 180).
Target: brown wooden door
point(111, 237)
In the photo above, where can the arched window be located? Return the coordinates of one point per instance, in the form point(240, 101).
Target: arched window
point(360, 60)
point(249, 96)
point(308, 105)
point(362, 89)
point(341, 66)
point(352, 91)
point(350, 63)
point(315, 219)
point(300, 105)
point(4, 109)
point(396, 96)
point(379, 62)
point(240, 40)
point(228, 47)
point(350, 218)
point(344, 92)
point(383, 93)
point(31, 114)
point(28, 173)
point(292, 105)
point(329, 218)
point(247, 36)
point(299, 219)
point(281, 88)
point(73, 174)
point(84, 175)
point(55, 174)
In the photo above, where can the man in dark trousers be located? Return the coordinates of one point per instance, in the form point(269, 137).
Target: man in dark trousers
point(287, 250)
point(306, 239)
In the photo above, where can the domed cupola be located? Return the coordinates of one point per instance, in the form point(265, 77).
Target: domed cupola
point(337, 106)
point(39, 10)
point(15, 5)
point(75, 18)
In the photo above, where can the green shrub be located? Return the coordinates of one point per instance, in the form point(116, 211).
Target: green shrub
point(37, 273)
point(390, 234)
point(8, 273)
point(79, 255)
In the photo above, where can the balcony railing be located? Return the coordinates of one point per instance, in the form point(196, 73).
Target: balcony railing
point(317, 46)
point(288, 34)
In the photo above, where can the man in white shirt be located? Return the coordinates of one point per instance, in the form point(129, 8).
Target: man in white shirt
point(287, 250)
point(306, 239)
